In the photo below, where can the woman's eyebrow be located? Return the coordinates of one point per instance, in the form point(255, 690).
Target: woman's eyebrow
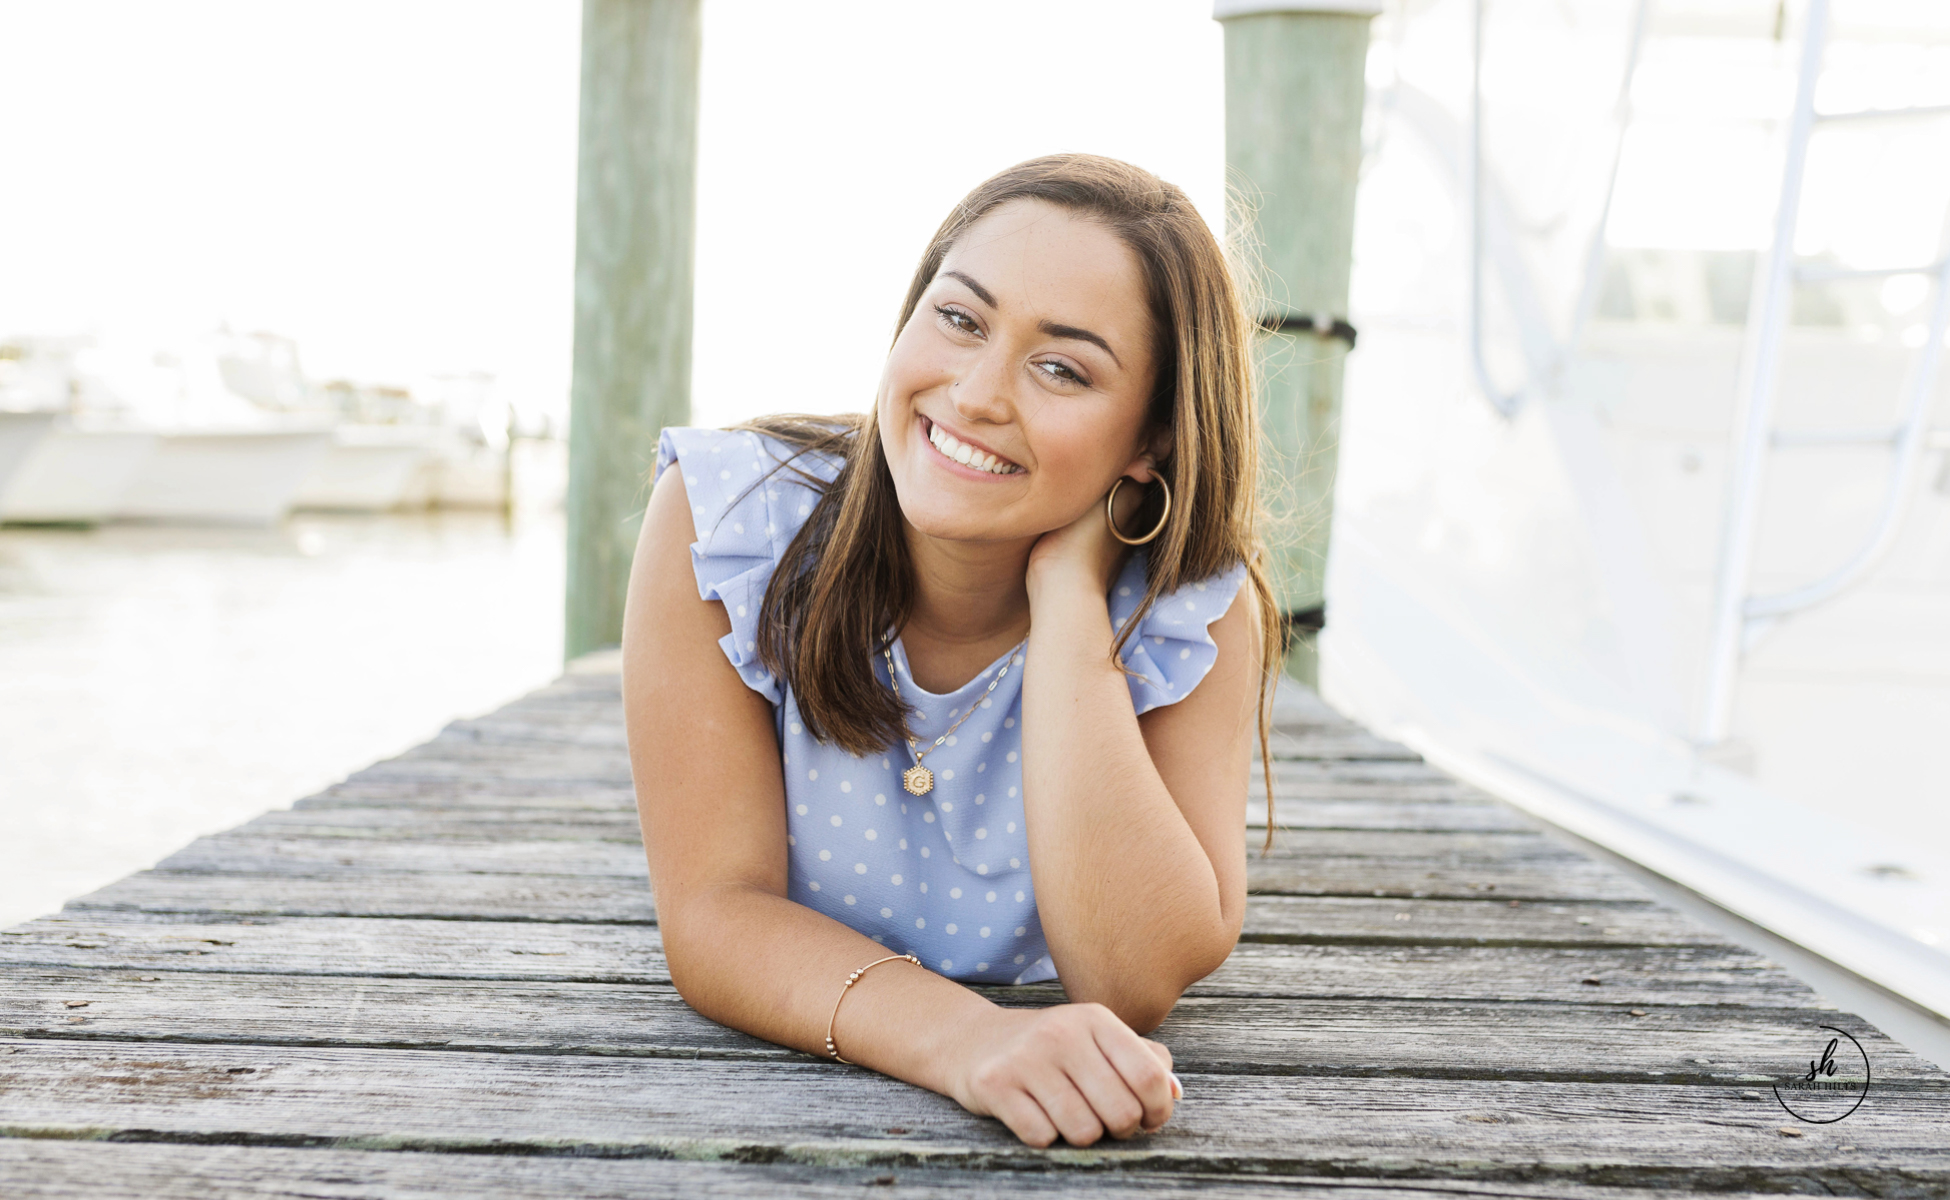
point(981, 292)
point(1081, 335)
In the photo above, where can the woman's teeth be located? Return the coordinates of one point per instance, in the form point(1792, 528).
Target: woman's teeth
point(967, 455)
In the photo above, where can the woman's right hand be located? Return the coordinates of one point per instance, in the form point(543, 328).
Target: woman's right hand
point(1073, 1071)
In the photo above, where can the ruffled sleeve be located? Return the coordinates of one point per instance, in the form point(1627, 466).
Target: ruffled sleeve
point(1173, 647)
point(745, 513)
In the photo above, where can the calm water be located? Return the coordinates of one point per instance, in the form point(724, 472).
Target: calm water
point(158, 684)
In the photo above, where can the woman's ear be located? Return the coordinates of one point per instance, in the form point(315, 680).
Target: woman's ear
point(1144, 467)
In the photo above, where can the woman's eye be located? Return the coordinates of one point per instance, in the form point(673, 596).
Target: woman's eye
point(1062, 371)
point(958, 320)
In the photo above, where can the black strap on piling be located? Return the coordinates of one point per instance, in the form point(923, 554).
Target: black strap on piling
point(1318, 324)
point(1301, 621)
point(1305, 620)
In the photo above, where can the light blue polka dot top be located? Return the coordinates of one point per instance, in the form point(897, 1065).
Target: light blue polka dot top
point(943, 876)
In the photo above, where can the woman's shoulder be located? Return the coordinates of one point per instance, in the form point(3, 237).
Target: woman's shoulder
point(1172, 648)
point(746, 485)
point(741, 455)
point(750, 492)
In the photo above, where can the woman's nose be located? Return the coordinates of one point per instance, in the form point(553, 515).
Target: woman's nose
point(982, 391)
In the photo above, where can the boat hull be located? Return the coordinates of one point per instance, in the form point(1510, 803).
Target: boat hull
point(20, 434)
point(75, 476)
point(228, 478)
point(360, 474)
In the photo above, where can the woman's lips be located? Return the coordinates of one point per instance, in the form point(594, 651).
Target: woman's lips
point(966, 454)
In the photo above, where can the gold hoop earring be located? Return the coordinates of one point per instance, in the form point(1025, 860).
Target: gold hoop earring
point(1110, 512)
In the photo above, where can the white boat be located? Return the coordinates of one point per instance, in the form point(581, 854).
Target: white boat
point(20, 433)
point(368, 468)
point(232, 477)
point(75, 476)
point(1585, 515)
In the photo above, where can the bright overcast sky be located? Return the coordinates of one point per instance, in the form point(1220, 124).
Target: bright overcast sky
point(393, 184)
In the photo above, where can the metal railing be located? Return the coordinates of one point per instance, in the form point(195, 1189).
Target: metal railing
point(1738, 616)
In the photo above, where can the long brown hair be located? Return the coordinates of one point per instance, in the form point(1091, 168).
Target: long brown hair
point(845, 580)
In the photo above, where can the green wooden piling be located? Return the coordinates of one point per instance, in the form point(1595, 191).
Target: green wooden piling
point(1294, 93)
point(636, 183)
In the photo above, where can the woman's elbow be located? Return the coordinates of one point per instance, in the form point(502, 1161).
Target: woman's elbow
point(1149, 1011)
point(1145, 1013)
point(1144, 1006)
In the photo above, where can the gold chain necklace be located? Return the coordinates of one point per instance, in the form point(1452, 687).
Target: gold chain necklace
point(917, 779)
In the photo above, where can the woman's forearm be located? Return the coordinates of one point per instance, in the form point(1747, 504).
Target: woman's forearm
point(755, 961)
point(1129, 900)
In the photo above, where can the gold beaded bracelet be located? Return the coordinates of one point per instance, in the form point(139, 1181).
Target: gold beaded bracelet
point(850, 981)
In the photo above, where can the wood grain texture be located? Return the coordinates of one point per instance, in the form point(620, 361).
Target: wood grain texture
point(1597, 1133)
point(1375, 782)
point(421, 894)
point(519, 950)
point(1322, 920)
point(600, 898)
point(72, 1170)
point(1599, 1040)
point(443, 977)
point(545, 822)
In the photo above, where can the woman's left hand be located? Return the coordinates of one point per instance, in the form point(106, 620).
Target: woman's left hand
point(1084, 549)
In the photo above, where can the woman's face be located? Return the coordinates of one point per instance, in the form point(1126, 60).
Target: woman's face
point(1017, 392)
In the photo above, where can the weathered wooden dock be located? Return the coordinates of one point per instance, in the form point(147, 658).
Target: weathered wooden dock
point(442, 977)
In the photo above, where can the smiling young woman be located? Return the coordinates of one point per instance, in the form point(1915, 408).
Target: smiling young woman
point(902, 695)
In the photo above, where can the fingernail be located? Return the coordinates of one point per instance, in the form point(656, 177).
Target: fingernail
point(1177, 1088)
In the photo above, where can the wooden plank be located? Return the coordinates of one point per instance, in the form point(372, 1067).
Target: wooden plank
point(509, 737)
point(526, 950)
point(435, 820)
point(1580, 881)
point(484, 793)
point(602, 898)
point(1445, 803)
point(550, 728)
point(589, 700)
point(1378, 782)
point(1592, 1042)
point(244, 851)
point(1344, 742)
point(440, 822)
point(1372, 771)
point(533, 760)
point(472, 752)
point(1326, 919)
point(579, 769)
point(1706, 1137)
point(1371, 803)
point(1413, 921)
point(563, 770)
point(429, 894)
point(343, 946)
point(299, 843)
point(70, 1170)
point(1629, 975)
point(596, 726)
